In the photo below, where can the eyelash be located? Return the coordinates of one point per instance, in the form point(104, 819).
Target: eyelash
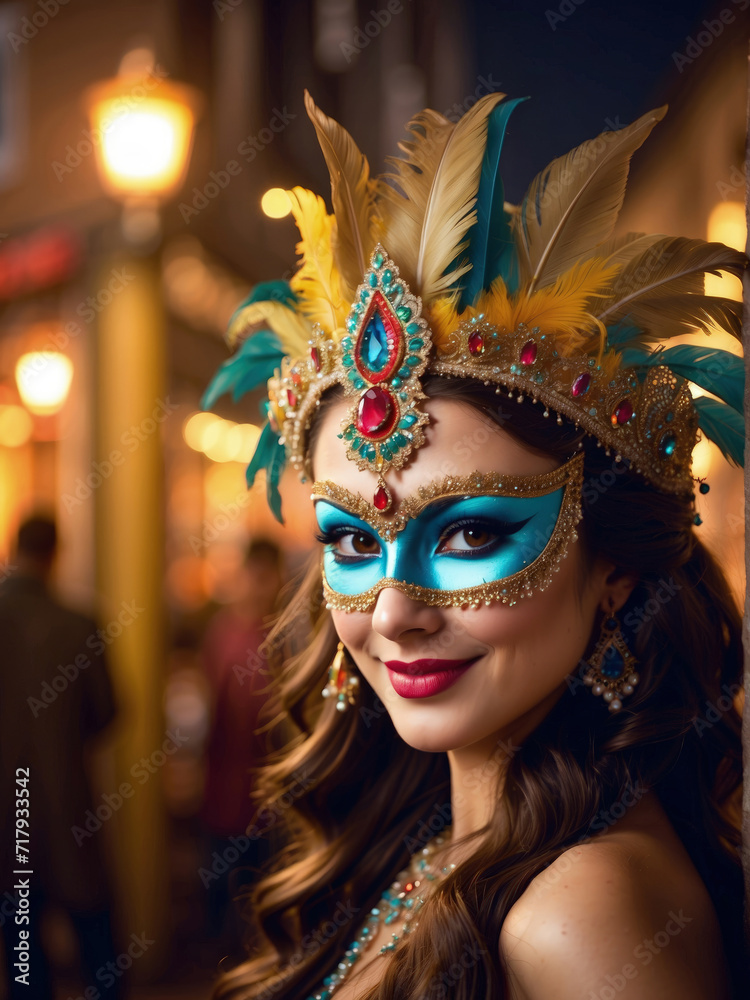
point(499, 529)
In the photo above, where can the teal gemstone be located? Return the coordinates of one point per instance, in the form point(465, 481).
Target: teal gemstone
point(403, 313)
point(398, 289)
point(387, 277)
point(346, 343)
point(370, 453)
point(349, 433)
point(514, 368)
point(351, 324)
point(412, 361)
point(407, 420)
point(404, 372)
point(378, 259)
point(670, 417)
point(415, 344)
point(385, 451)
point(374, 344)
point(364, 295)
point(403, 396)
point(399, 439)
point(396, 382)
point(353, 376)
point(667, 444)
point(359, 382)
point(373, 280)
point(412, 328)
point(391, 917)
point(539, 377)
point(347, 361)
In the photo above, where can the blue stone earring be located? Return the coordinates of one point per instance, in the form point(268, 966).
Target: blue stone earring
point(611, 672)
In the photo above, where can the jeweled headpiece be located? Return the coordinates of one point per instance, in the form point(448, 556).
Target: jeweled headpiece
point(428, 270)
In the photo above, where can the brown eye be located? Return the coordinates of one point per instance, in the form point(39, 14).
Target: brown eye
point(467, 539)
point(358, 543)
point(475, 537)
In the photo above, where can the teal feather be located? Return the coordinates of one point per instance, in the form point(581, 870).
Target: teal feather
point(270, 455)
point(719, 372)
point(619, 334)
point(491, 250)
point(724, 426)
point(250, 366)
point(267, 291)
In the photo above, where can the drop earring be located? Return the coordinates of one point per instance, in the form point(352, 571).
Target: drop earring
point(342, 683)
point(611, 672)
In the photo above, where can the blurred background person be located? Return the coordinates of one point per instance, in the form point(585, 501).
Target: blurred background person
point(55, 697)
point(234, 659)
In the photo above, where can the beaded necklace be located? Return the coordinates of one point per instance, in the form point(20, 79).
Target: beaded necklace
point(401, 900)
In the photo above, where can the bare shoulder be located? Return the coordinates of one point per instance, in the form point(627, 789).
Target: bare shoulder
point(623, 911)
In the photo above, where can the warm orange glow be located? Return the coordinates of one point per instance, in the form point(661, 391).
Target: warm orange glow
point(16, 426)
point(275, 203)
point(726, 224)
point(43, 379)
point(220, 440)
point(145, 127)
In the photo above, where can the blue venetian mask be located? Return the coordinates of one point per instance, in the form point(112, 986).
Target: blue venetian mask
point(458, 541)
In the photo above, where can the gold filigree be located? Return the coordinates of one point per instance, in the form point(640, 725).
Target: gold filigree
point(474, 484)
point(537, 576)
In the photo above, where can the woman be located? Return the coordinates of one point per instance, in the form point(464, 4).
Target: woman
point(512, 787)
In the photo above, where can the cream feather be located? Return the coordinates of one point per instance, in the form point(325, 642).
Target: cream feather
point(353, 195)
point(426, 221)
point(661, 290)
point(572, 205)
point(317, 281)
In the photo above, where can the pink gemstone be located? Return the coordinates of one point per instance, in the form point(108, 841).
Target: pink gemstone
point(476, 343)
point(623, 412)
point(375, 413)
point(580, 385)
point(315, 357)
point(381, 499)
point(528, 353)
point(291, 398)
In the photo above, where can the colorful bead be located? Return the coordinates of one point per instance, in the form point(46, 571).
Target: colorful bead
point(476, 343)
point(581, 384)
point(528, 353)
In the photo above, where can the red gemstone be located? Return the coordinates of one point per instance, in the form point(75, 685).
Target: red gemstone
point(340, 679)
point(381, 500)
point(580, 385)
point(376, 412)
point(296, 377)
point(528, 353)
point(315, 358)
point(476, 343)
point(623, 412)
point(291, 398)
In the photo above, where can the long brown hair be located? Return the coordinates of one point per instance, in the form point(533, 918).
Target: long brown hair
point(357, 799)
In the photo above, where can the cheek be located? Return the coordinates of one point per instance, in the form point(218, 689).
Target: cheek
point(352, 628)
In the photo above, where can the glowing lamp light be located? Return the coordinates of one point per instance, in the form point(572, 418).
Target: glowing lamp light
point(220, 440)
point(43, 379)
point(726, 224)
point(16, 426)
point(145, 127)
point(275, 203)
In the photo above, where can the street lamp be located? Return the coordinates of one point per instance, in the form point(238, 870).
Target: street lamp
point(43, 379)
point(144, 128)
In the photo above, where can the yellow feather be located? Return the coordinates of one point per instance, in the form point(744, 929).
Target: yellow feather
point(426, 221)
point(354, 198)
point(292, 329)
point(572, 205)
point(317, 281)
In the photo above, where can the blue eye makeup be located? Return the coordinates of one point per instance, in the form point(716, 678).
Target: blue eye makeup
point(445, 547)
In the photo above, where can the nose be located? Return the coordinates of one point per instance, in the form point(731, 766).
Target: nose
point(397, 615)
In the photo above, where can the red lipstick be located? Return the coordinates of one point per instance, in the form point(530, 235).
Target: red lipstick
point(423, 678)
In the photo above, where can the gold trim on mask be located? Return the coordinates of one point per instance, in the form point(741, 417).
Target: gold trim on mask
point(537, 576)
point(473, 485)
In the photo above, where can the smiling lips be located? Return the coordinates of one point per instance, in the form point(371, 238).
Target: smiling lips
point(423, 678)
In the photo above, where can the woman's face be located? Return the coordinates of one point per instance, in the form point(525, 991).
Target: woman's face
point(519, 655)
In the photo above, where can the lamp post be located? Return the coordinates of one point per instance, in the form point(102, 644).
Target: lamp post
point(145, 127)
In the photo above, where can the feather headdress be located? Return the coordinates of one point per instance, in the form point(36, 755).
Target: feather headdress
point(427, 268)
